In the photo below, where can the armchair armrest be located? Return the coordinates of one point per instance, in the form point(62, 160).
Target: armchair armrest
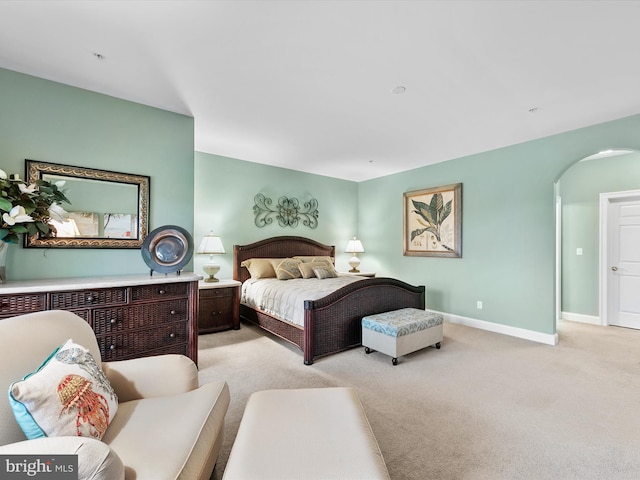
point(151, 376)
point(96, 460)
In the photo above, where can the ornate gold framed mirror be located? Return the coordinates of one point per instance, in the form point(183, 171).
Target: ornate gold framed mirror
point(107, 210)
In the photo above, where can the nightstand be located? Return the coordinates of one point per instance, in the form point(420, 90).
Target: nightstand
point(360, 274)
point(218, 306)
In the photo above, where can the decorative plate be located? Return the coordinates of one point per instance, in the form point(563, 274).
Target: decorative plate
point(167, 249)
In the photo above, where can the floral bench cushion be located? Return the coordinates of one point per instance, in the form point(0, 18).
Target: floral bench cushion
point(401, 322)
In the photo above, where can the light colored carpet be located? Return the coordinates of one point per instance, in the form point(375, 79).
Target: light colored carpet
point(485, 406)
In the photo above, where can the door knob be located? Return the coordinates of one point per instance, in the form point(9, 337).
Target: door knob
point(615, 269)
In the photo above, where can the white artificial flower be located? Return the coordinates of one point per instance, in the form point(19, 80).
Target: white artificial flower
point(30, 189)
point(60, 183)
point(57, 213)
point(3, 175)
point(17, 215)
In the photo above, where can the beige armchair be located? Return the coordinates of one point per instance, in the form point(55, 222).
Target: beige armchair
point(167, 426)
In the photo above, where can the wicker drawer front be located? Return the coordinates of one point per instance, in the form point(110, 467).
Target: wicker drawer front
point(85, 314)
point(179, 349)
point(159, 292)
point(87, 298)
point(121, 354)
point(130, 344)
point(18, 304)
point(215, 309)
point(120, 319)
point(216, 292)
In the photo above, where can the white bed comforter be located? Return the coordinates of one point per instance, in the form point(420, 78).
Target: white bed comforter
point(284, 299)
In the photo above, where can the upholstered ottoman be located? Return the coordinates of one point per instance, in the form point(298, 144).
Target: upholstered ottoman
point(307, 433)
point(401, 332)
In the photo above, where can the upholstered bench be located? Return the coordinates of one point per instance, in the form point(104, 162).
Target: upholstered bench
point(401, 332)
point(310, 433)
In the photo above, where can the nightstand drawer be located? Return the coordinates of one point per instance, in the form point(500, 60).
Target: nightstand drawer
point(215, 310)
point(210, 293)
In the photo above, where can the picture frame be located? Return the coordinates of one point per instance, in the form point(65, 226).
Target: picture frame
point(433, 222)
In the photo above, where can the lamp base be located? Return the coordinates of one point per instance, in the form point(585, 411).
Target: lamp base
point(211, 270)
point(354, 263)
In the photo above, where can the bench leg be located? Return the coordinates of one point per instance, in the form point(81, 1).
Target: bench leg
point(394, 361)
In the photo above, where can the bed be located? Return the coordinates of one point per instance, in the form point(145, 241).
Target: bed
point(331, 323)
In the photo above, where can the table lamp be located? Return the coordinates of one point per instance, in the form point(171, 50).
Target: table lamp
point(211, 244)
point(354, 247)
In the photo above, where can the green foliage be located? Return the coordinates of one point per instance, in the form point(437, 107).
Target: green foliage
point(25, 208)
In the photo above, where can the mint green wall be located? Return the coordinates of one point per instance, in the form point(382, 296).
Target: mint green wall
point(508, 227)
point(52, 122)
point(508, 199)
point(224, 192)
point(580, 189)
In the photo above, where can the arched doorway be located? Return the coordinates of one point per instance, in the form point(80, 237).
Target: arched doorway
point(580, 277)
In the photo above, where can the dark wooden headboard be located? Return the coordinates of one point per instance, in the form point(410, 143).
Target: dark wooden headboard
point(277, 247)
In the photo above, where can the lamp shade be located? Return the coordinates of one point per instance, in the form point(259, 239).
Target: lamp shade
point(211, 244)
point(354, 246)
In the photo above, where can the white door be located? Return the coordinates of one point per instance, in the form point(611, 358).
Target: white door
point(624, 263)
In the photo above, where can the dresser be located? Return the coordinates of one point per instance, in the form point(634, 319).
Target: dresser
point(131, 315)
point(219, 306)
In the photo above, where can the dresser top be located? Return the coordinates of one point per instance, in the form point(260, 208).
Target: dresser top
point(77, 283)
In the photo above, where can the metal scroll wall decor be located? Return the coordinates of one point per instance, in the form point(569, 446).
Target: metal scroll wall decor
point(287, 211)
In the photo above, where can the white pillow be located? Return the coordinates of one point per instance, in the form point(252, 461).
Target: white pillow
point(67, 395)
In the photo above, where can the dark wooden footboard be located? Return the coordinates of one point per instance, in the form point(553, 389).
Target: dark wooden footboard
point(333, 323)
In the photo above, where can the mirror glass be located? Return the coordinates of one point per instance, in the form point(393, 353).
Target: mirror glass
point(107, 209)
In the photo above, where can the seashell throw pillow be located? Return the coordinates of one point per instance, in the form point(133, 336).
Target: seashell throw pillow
point(67, 395)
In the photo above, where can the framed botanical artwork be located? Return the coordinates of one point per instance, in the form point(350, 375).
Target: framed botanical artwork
point(433, 222)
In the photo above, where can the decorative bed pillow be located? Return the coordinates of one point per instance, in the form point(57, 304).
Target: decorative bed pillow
point(306, 269)
point(288, 269)
point(309, 259)
point(67, 395)
point(324, 272)
point(261, 267)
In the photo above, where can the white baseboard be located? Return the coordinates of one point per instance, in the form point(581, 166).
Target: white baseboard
point(579, 317)
point(546, 338)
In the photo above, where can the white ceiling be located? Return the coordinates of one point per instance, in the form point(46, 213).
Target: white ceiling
point(309, 85)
